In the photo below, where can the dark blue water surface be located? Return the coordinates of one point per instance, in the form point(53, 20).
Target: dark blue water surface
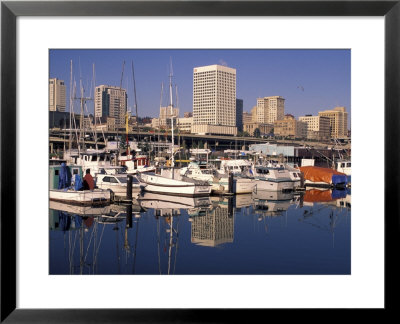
point(267, 233)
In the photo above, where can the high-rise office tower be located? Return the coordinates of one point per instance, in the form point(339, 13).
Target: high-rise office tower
point(111, 101)
point(57, 101)
point(270, 109)
point(214, 97)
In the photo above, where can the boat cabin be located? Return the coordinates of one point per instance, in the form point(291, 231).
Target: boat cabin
point(54, 174)
point(343, 166)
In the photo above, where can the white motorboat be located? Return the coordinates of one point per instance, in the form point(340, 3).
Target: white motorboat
point(243, 181)
point(67, 187)
point(171, 182)
point(117, 183)
point(272, 179)
point(195, 172)
point(219, 181)
point(236, 167)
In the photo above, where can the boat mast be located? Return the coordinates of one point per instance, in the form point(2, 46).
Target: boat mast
point(177, 125)
point(70, 110)
point(161, 94)
point(94, 112)
point(136, 108)
point(172, 114)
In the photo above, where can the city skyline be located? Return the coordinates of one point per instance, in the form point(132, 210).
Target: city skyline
point(308, 80)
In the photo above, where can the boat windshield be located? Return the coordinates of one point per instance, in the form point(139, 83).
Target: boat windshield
point(125, 180)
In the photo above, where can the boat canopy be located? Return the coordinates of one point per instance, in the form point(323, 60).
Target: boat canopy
point(77, 182)
point(318, 174)
point(64, 180)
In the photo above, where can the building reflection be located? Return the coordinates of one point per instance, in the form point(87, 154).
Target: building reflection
point(215, 226)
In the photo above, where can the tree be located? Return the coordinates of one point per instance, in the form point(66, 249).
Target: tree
point(257, 132)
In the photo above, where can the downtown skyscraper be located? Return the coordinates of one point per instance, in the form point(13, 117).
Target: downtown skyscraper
point(214, 99)
point(111, 101)
point(57, 99)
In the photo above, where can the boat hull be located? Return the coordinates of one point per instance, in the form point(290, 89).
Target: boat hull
point(240, 186)
point(84, 197)
point(158, 184)
point(269, 185)
point(119, 190)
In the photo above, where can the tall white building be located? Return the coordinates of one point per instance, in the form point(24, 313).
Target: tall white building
point(57, 100)
point(111, 101)
point(270, 109)
point(214, 99)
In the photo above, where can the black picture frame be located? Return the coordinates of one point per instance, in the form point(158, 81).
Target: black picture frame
point(10, 10)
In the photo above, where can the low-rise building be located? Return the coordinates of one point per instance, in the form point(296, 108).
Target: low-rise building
point(338, 121)
point(155, 123)
point(185, 124)
point(214, 130)
point(105, 123)
point(290, 127)
point(252, 126)
point(247, 118)
point(166, 114)
point(318, 127)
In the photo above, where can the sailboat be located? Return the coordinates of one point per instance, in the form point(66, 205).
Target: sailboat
point(171, 181)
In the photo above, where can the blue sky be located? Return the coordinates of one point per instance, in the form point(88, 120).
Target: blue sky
point(309, 80)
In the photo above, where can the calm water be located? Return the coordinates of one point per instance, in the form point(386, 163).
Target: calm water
point(263, 233)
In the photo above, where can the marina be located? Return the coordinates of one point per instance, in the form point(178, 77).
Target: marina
point(198, 194)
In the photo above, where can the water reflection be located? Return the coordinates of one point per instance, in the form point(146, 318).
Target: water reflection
point(215, 225)
point(160, 234)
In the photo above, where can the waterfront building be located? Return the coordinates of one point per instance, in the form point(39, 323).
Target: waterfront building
point(185, 124)
point(338, 121)
point(214, 130)
point(166, 113)
point(155, 123)
point(239, 114)
point(318, 127)
point(290, 127)
point(111, 101)
point(252, 126)
point(214, 99)
point(270, 109)
point(57, 99)
point(102, 124)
